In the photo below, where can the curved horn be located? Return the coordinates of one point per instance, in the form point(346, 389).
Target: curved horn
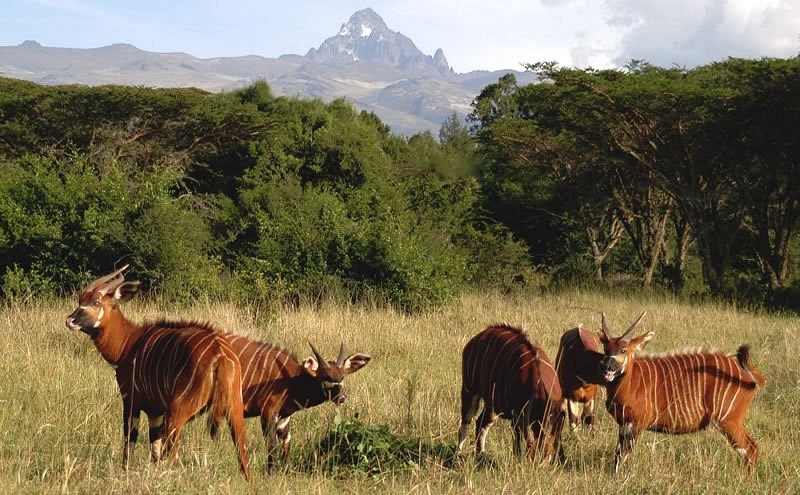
point(625, 336)
point(105, 278)
point(604, 324)
point(320, 360)
point(340, 359)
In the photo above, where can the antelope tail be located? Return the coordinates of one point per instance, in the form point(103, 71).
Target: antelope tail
point(743, 356)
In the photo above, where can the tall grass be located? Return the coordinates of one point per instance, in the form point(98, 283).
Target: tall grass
point(61, 428)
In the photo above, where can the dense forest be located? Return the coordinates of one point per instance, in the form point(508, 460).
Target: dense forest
point(672, 179)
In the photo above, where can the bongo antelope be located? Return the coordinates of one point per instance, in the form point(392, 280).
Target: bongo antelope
point(515, 380)
point(171, 370)
point(578, 366)
point(677, 393)
point(275, 385)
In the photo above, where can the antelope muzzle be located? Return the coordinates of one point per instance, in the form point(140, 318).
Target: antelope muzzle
point(612, 367)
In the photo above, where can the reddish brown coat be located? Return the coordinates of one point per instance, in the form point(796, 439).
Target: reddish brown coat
point(170, 370)
point(275, 385)
point(678, 393)
point(515, 380)
point(578, 366)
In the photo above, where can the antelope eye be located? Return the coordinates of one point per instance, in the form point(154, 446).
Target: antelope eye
point(97, 304)
point(623, 351)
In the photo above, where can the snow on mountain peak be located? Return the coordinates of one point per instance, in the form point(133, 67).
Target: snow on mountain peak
point(366, 37)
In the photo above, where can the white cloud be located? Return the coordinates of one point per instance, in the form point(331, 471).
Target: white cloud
point(695, 32)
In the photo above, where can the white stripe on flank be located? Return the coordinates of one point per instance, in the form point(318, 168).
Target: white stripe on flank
point(724, 394)
point(691, 383)
point(172, 339)
point(672, 393)
point(210, 337)
point(683, 391)
point(691, 377)
point(661, 385)
point(658, 392)
point(704, 388)
point(714, 402)
point(253, 359)
point(737, 387)
point(676, 394)
point(258, 362)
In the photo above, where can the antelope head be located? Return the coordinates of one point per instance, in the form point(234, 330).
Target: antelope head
point(618, 351)
point(98, 300)
point(328, 375)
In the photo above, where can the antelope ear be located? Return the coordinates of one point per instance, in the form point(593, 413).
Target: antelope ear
point(587, 338)
point(355, 362)
point(125, 292)
point(311, 365)
point(639, 342)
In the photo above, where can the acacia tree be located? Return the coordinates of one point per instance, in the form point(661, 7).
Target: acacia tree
point(677, 126)
point(713, 149)
point(537, 151)
point(613, 193)
point(769, 109)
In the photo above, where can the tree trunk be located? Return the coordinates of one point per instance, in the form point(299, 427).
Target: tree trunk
point(655, 249)
point(602, 244)
point(714, 261)
point(774, 255)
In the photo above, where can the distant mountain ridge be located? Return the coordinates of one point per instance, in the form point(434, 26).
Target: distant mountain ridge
point(375, 68)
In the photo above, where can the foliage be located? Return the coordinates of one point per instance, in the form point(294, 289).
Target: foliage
point(642, 152)
point(270, 198)
point(61, 221)
point(609, 175)
point(353, 447)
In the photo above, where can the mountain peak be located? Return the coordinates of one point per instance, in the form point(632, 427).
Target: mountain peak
point(362, 24)
point(366, 38)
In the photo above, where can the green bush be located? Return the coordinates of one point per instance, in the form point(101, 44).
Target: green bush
point(63, 222)
point(305, 238)
point(242, 194)
point(353, 447)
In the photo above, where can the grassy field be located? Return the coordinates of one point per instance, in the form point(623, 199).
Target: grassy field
point(60, 411)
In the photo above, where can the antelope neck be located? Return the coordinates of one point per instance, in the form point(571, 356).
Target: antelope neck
point(116, 337)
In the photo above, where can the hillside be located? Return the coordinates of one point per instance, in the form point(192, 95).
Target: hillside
point(377, 69)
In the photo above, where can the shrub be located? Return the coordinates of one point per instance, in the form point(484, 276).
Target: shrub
point(63, 222)
point(353, 447)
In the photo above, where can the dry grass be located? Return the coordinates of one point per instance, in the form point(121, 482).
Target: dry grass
point(60, 412)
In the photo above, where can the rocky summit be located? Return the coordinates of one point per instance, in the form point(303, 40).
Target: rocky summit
point(375, 68)
point(365, 37)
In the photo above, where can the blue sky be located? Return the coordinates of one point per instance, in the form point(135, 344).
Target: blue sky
point(597, 33)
